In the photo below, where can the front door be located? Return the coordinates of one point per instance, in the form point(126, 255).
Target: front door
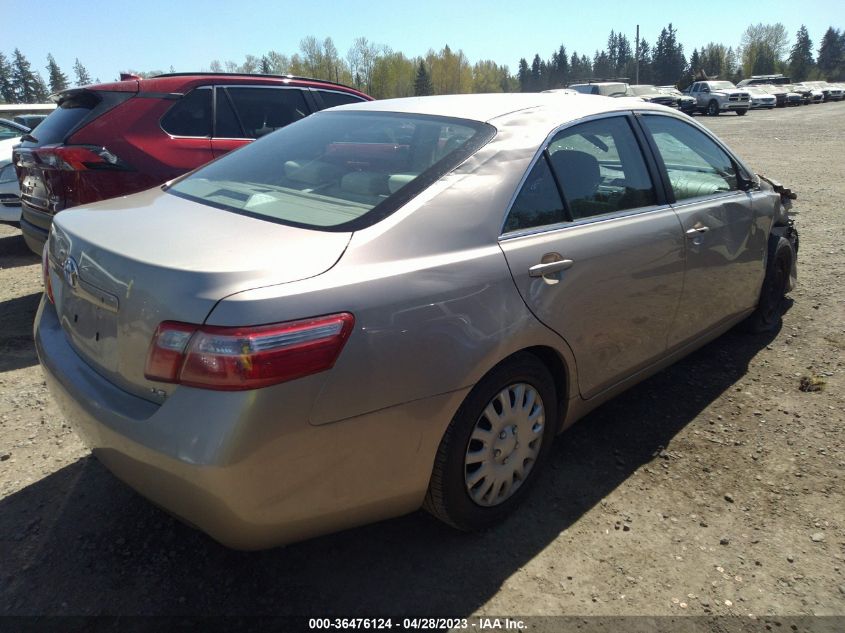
point(725, 238)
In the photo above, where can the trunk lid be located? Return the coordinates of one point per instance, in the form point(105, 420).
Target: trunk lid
point(121, 267)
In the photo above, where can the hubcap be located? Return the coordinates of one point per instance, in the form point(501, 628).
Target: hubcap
point(504, 444)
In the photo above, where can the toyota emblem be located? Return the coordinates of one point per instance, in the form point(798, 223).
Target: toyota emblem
point(71, 272)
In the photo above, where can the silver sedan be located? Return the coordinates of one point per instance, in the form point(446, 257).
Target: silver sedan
point(398, 304)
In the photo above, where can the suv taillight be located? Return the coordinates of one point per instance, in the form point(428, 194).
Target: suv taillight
point(79, 158)
point(237, 358)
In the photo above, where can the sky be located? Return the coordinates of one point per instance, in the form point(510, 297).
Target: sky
point(113, 36)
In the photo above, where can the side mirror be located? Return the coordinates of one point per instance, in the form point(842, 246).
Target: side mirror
point(705, 89)
point(744, 181)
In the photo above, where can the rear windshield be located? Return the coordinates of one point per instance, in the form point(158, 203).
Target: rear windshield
point(336, 171)
point(65, 117)
point(74, 110)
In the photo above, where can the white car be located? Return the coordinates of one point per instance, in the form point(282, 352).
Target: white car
point(10, 193)
point(760, 98)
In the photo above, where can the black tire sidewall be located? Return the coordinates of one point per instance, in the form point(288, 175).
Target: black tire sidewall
point(780, 255)
point(462, 510)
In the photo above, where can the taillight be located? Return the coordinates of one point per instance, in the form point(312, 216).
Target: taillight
point(45, 273)
point(79, 158)
point(236, 358)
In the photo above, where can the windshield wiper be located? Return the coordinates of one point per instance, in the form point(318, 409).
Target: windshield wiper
point(29, 137)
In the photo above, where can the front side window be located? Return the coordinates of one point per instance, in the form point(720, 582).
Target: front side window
point(600, 168)
point(695, 164)
point(336, 170)
point(264, 110)
point(191, 115)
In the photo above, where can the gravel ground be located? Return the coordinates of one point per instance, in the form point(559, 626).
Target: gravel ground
point(716, 487)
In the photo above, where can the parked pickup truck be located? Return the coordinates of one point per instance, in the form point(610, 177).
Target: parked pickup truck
point(714, 97)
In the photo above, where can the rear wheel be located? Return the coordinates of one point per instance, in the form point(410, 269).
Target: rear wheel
point(495, 445)
point(768, 314)
point(713, 108)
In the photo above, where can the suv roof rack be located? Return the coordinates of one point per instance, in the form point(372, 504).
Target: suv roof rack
point(210, 74)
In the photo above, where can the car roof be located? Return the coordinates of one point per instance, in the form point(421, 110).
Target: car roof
point(183, 82)
point(488, 107)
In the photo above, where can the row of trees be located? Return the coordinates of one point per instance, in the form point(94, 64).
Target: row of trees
point(19, 83)
point(764, 49)
point(382, 72)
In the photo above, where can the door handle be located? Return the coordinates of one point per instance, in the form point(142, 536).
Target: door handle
point(697, 230)
point(538, 270)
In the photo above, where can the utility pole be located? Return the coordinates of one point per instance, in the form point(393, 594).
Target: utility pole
point(637, 57)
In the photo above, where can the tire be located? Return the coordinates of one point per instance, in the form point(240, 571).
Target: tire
point(713, 108)
point(741, 112)
point(767, 316)
point(475, 481)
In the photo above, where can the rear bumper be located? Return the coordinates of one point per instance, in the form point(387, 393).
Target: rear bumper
point(247, 467)
point(35, 226)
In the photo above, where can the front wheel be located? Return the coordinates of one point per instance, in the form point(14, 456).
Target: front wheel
point(768, 314)
point(495, 445)
point(741, 112)
point(713, 108)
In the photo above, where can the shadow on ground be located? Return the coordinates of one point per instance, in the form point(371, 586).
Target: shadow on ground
point(80, 542)
point(16, 346)
point(14, 252)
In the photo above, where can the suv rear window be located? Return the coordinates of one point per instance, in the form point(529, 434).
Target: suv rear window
point(75, 109)
point(336, 171)
point(71, 111)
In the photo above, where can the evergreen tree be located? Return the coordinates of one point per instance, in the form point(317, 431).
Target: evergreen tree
point(645, 63)
point(57, 79)
point(801, 56)
point(82, 76)
point(422, 83)
point(536, 74)
point(7, 89)
point(694, 64)
point(668, 61)
point(25, 82)
point(831, 55)
point(523, 75)
point(264, 67)
point(561, 68)
point(602, 66)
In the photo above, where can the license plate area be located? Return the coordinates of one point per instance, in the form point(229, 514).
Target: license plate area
point(89, 319)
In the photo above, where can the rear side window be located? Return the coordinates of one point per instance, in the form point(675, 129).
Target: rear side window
point(538, 202)
point(264, 110)
point(191, 115)
point(336, 170)
point(332, 99)
point(600, 168)
point(696, 165)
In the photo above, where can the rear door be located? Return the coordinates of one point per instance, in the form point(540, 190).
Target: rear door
point(244, 113)
point(595, 250)
point(725, 231)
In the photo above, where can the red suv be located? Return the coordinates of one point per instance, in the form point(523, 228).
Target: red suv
point(114, 139)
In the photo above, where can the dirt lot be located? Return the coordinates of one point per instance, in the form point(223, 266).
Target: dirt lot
point(715, 487)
